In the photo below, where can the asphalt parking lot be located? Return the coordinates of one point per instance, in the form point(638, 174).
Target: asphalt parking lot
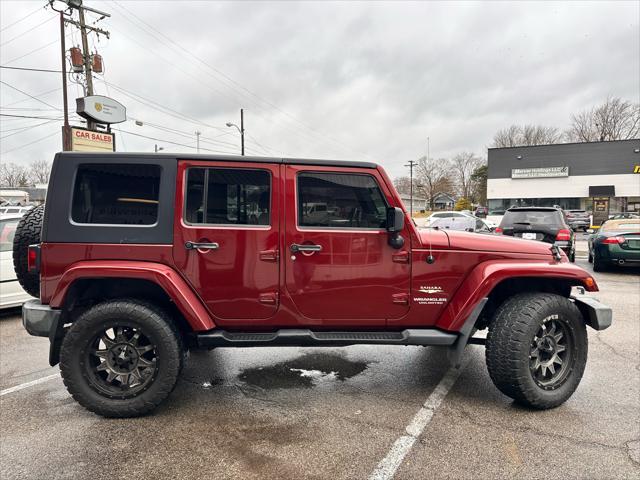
point(332, 413)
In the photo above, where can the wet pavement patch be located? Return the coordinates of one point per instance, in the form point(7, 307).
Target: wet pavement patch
point(305, 371)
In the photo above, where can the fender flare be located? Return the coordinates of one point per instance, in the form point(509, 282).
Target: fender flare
point(485, 276)
point(178, 290)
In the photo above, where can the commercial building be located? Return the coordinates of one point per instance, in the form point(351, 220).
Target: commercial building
point(571, 175)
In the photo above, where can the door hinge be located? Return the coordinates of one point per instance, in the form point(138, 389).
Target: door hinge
point(400, 298)
point(270, 298)
point(400, 257)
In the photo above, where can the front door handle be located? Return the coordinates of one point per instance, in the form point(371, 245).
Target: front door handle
point(201, 246)
point(295, 248)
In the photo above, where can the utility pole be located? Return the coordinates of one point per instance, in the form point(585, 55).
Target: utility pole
point(198, 141)
point(411, 164)
point(86, 54)
point(66, 143)
point(242, 131)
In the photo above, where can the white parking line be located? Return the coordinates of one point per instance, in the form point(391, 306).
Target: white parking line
point(386, 469)
point(22, 386)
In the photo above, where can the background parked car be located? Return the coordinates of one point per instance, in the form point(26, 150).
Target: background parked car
point(481, 212)
point(11, 293)
point(544, 224)
point(578, 219)
point(494, 217)
point(617, 242)
point(446, 214)
point(466, 223)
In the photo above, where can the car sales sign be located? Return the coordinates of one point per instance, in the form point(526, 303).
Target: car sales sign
point(101, 109)
point(89, 141)
point(543, 172)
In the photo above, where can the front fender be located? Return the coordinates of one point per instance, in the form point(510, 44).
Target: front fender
point(485, 276)
point(189, 304)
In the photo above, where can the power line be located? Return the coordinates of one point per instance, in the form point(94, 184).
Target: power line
point(314, 136)
point(24, 145)
point(234, 82)
point(27, 116)
point(35, 50)
point(167, 141)
point(31, 69)
point(27, 31)
point(24, 129)
point(28, 95)
point(37, 95)
point(23, 18)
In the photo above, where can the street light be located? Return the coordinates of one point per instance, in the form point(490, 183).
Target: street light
point(157, 148)
point(240, 129)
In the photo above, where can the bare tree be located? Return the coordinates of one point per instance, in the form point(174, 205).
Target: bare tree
point(615, 119)
point(433, 176)
point(402, 184)
point(526, 135)
point(464, 164)
point(39, 171)
point(507, 137)
point(13, 175)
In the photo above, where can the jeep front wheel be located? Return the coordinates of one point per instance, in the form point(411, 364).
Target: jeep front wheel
point(121, 358)
point(537, 349)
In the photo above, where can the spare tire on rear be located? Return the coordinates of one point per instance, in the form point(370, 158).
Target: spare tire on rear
point(27, 233)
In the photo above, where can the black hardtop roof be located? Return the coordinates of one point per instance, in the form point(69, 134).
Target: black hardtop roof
point(173, 157)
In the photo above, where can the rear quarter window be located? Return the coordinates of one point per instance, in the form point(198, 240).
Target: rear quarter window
point(116, 194)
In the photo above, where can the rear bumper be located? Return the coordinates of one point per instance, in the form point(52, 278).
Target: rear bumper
point(597, 315)
point(39, 319)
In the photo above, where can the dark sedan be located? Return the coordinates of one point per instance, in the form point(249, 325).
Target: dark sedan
point(616, 243)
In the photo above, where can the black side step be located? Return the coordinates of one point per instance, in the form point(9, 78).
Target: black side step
point(295, 337)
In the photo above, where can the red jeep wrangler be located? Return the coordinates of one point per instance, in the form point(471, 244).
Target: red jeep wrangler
point(139, 257)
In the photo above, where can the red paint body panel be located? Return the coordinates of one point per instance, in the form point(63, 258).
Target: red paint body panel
point(239, 282)
point(479, 282)
point(354, 281)
point(164, 276)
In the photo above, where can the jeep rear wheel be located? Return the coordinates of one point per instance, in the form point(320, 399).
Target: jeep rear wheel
point(537, 349)
point(121, 358)
point(27, 233)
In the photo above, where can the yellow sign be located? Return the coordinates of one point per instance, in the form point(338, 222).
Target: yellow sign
point(88, 141)
point(636, 169)
point(98, 107)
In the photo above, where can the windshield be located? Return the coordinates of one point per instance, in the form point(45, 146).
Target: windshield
point(7, 231)
point(532, 217)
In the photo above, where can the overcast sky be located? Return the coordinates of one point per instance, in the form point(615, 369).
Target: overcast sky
point(368, 81)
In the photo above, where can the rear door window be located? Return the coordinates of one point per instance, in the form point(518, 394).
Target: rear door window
point(338, 200)
point(228, 196)
point(116, 194)
point(532, 217)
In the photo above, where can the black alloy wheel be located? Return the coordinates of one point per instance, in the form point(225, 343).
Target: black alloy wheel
point(121, 361)
point(551, 354)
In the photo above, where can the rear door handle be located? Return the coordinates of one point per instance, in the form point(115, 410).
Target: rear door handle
point(295, 248)
point(201, 246)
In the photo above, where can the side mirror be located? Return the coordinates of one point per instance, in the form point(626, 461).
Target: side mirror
point(395, 219)
point(395, 224)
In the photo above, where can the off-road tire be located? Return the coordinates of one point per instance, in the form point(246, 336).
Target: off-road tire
point(511, 337)
point(572, 256)
point(27, 233)
point(155, 323)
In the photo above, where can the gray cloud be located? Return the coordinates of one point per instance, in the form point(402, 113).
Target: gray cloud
point(368, 80)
